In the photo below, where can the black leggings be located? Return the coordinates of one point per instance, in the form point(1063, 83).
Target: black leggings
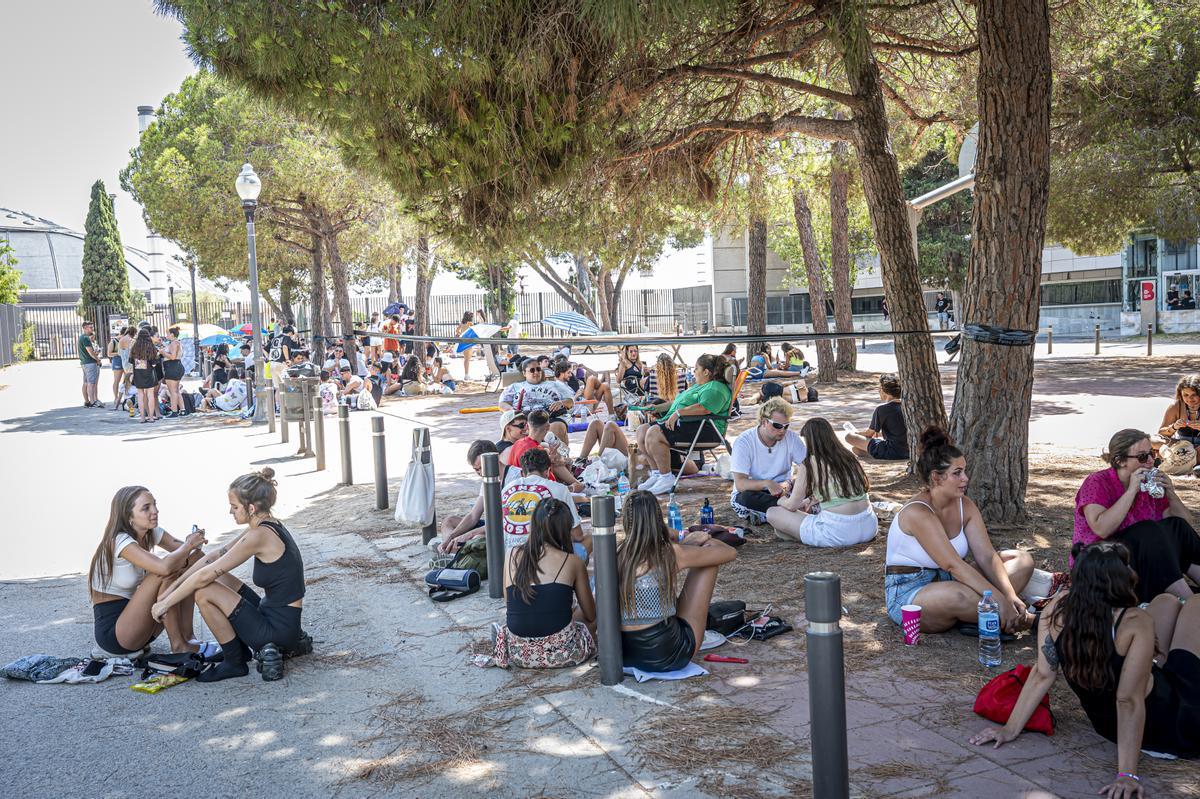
point(258, 625)
point(1160, 552)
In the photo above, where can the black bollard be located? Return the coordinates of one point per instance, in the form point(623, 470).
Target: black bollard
point(1149, 340)
point(826, 685)
point(493, 520)
point(608, 617)
point(422, 453)
point(318, 415)
point(1097, 339)
point(1050, 340)
point(379, 447)
point(344, 435)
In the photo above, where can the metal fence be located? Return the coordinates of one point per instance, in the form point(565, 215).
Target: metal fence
point(11, 328)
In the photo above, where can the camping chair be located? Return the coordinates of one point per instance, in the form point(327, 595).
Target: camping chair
point(710, 419)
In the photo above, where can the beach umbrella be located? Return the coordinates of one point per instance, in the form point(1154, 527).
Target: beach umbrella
point(206, 330)
point(485, 330)
point(218, 339)
point(247, 329)
point(574, 323)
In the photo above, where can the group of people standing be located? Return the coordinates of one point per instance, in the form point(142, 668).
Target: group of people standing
point(139, 357)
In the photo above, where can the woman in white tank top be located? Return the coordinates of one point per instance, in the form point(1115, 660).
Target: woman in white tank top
point(931, 536)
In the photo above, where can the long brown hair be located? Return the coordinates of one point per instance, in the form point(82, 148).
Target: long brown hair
point(143, 347)
point(647, 543)
point(828, 464)
point(119, 512)
point(549, 527)
point(1187, 381)
point(1100, 581)
point(666, 376)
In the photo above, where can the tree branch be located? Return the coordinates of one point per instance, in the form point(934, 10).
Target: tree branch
point(762, 77)
point(761, 125)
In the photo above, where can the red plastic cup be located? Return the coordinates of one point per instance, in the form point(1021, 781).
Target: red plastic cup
point(910, 622)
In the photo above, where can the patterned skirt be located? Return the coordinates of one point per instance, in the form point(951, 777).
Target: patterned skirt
point(570, 646)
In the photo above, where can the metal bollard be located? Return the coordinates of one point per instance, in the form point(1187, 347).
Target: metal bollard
point(608, 618)
point(1050, 340)
point(826, 685)
point(1097, 339)
point(344, 435)
point(493, 520)
point(423, 450)
point(262, 411)
point(270, 409)
point(318, 415)
point(283, 420)
point(1149, 340)
point(302, 426)
point(379, 447)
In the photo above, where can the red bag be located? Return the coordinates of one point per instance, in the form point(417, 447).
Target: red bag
point(997, 699)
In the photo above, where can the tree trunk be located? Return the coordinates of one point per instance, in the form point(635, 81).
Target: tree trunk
point(614, 290)
point(814, 273)
point(756, 283)
point(563, 288)
point(995, 383)
point(839, 256)
point(317, 300)
point(287, 288)
point(923, 402)
point(604, 287)
point(395, 292)
point(341, 290)
point(424, 283)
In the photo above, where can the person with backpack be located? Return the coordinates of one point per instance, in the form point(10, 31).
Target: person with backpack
point(243, 622)
point(543, 578)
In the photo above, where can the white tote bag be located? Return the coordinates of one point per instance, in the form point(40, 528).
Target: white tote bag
point(414, 502)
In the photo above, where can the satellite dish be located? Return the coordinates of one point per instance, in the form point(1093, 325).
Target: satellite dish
point(966, 155)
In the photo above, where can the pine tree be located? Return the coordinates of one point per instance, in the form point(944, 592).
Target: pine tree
point(105, 278)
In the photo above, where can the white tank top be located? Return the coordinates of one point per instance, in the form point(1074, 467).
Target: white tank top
point(904, 549)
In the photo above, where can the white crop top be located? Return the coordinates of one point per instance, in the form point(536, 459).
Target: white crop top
point(904, 549)
point(125, 576)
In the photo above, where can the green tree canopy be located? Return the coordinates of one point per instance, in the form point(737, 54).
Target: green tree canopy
point(105, 277)
point(943, 237)
point(10, 277)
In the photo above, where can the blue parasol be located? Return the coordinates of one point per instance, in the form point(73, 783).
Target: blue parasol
point(484, 330)
point(574, 323)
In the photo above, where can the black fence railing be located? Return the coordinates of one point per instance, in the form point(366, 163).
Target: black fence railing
point(12, 329)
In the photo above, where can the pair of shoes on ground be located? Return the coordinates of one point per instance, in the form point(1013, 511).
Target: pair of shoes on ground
point(95, 404)
point(658, 483)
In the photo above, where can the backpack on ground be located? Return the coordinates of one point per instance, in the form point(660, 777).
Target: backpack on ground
point(189, 401)
point(181, 664)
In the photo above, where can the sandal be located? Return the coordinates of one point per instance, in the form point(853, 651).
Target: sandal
point(972, 630)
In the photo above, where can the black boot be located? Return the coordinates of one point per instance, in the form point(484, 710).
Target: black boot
point(270, 663)
point(234, 664)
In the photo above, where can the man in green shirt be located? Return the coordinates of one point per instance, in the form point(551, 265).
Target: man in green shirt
point(89, 360)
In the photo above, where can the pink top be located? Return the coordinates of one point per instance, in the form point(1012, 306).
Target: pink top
point(1105, 488)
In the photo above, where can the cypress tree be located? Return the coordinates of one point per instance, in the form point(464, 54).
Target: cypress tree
point(105, 279)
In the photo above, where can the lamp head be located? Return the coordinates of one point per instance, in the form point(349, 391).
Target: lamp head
point(248, 184)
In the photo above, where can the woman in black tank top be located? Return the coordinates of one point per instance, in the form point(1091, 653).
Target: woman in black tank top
point(1105, 646)
point(245, 624)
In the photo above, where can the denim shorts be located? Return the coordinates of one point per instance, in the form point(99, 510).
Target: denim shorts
point(900, 589)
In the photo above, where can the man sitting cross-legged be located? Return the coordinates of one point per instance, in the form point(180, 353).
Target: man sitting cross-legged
point(762, 461)
point(522, 495)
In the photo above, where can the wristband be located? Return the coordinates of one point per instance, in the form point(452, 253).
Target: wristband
point(1133, 777)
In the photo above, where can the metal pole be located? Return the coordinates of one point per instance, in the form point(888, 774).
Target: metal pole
point(319, 429)
point(379, 447)
point(344, 435)
point(259, 361)
point(269, 395)
point(422, 451)
point(1097, 339)
point(196, 320)
point(493, 520)
point(1149, 340)
point(1050, 340)
point(826, 685)
point(305, 450)
point(608, 619)
point(283, 416)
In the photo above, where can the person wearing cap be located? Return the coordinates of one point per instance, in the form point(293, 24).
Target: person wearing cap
point(514, 425)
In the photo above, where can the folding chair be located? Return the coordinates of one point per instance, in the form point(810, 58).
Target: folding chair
point(710, 419)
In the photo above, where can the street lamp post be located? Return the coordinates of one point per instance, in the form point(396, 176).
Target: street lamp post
point(248, 187)
point(195, 318)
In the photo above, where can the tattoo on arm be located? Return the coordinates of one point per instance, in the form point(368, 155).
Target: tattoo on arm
point(217, 573)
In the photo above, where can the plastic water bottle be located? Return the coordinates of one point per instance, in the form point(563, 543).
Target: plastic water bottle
point(675, 518)
point(622, 485)
point(706, 512)
point(989, 630)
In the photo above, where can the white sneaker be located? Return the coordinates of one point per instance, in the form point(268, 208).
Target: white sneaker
point(664, 485)
point(650, 480)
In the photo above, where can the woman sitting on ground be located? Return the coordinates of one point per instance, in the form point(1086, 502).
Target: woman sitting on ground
point(542, 580)
point(1105, 647)
point(686, 417)
point(125, 577)
point(665, 381)
point(929, 540)
point(242, 621)
point(792, 360)
point(662, 624)
point(219, 375)
point(1182, 418)
point(605, 434)
point(631, 372)
point(887, 437)
point(762, 365)
point(1111, 505)
point(514, 426)
point(829, 505)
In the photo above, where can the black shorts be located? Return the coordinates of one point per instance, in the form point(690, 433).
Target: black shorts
point(883, 450)
point(173, 370)
point(681, 438)
point(667, 646)
point(143, 378)
point(105, 630)
point(258, 625)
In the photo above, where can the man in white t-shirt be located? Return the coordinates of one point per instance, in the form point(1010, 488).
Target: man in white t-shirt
point(762, 461)
point(540, 392)
point(519, 498)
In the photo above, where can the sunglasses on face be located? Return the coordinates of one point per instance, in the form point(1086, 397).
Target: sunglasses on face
point(1142, 457)
point(534, 369)
point(780, 425)
point(517, 424)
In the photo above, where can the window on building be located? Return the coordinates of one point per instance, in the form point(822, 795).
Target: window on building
point(1180, 292)
point(1143, 258)
point(1178, 256)
point(1090, 292)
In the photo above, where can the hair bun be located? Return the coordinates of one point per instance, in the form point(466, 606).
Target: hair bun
point(266, 473)
point(934, 437)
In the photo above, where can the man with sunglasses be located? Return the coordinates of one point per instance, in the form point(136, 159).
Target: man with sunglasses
point(762, 461)
point(536, 393)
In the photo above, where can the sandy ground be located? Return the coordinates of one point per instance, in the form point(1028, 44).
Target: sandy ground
point(388, 704)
